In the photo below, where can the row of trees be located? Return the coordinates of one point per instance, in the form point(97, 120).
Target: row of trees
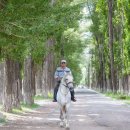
point(34, 36)
point(110, 63)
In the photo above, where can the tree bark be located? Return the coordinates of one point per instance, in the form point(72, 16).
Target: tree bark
point(49, 65)
point(38, 78)
point(49, 68)
point(89, 75)
point(9, 80)
point(17, 91)
point(2, 78)
point(12, 85)
point(29, 81)
point(110, 23)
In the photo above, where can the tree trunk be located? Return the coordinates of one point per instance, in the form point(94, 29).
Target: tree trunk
point(17, 91)
point(9, 80)
point(110, 23)
point(33, 79)
point(2, 78)
point(29, 81)
point(38, 78)
point(12, 85)
point(89, 75)
point(48, 69)
point(49, 65)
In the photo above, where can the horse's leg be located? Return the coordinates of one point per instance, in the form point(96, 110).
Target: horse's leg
point(61, 118)
point(67, 120)
point(64, 114)
point(67, 116)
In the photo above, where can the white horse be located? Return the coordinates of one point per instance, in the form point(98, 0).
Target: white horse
point(64, 99)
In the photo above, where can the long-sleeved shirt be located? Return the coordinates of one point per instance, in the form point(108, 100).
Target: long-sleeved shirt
point(60, 72)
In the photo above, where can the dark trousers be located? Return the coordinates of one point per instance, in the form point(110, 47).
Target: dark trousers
point(56, 90)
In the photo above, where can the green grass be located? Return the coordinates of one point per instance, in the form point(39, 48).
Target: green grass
point(33, 106)
point(40, 97)
point(3, 121)
point(118, 96)
point(17, 111)
point(25, 108)
point(50, 95)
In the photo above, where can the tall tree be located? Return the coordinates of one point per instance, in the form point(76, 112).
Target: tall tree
point(110, 23)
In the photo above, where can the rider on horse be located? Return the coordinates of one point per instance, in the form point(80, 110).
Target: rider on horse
point(60, 72)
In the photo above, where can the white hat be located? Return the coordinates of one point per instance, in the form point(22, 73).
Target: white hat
point(63, 61)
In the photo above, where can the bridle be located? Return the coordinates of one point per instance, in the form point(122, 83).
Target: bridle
point(67, 84)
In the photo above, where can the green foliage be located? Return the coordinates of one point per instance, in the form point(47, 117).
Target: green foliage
point(25, 27)
point(73, 47)
point(28, 24)
point(99, 29)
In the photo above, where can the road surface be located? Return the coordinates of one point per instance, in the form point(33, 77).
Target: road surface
point(92, 111)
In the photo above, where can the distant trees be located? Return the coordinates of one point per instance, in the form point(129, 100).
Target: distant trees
point(110, 62)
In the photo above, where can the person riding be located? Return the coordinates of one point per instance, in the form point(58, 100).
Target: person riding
point(59, 74)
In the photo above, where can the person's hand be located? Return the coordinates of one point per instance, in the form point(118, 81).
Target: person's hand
point(58, 78)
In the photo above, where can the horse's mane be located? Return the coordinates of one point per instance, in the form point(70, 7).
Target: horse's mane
point(67, 74)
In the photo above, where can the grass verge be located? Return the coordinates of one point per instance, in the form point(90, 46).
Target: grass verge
point(25, 108)
point(118, 96)
point(41, 97)
point(3, 121)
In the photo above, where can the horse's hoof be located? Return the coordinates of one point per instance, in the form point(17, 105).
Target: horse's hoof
point(61, 124)
point(67, 127)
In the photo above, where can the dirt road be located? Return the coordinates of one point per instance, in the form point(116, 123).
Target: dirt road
point(92, 111)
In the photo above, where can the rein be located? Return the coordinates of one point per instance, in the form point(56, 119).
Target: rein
point(67, 84)
point(66, 87)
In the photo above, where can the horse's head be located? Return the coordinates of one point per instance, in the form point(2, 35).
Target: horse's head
point(68, 80)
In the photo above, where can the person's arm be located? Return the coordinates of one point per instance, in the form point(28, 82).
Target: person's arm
point(56, 75)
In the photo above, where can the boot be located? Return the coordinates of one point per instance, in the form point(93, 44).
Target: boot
point(72, 96)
